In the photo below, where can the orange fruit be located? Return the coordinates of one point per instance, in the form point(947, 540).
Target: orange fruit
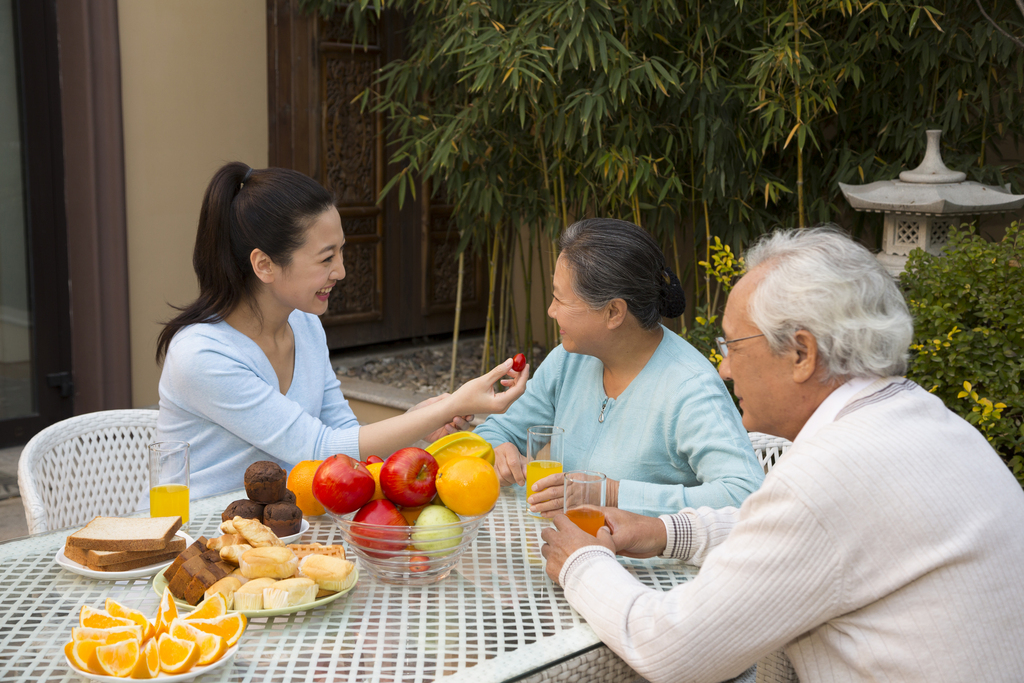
point(112, 634)
point(461, 443)
point(468, 486)
point(166, 613)
point(95, 618)
point(82, 654)
point(176, 655)
point(118, 659)
point(116, 609)
point(148, 665)
point(211, 647)
point(214, 606)
point(374, 468)
point(300, 482)
point(230, 627)
point(411, 514)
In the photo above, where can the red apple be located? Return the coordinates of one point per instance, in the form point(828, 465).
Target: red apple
point(342, 484)
point(419, 563)
point(378, 515)
point(407, 477)
point(370, 459)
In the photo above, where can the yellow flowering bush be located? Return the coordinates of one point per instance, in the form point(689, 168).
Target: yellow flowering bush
point(725, 268)
point(968, 308)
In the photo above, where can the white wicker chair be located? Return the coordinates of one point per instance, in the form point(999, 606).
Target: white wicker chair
point(88, 465)
point(775, 667)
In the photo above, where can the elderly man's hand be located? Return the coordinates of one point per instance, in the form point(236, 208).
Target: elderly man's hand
point(635, 535)
point(565, 538)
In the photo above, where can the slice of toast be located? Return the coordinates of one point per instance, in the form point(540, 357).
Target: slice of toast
point(134, 564)
point(102, 558)
point(125, 533)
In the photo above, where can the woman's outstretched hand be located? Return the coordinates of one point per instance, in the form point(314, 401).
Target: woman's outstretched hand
point(459, 423)
point(478, 395)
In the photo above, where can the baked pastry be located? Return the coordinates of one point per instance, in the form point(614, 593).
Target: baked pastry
point(284, 519)
point(250, 596)
point(226, 587)
point(330, 573)
point(289, 593)
point(288, 497)
point(275, 563)
point(256, 534)
point(265, 482)
point(248, 509)
point(233, 553)
point(224, 541)
point(301, 550)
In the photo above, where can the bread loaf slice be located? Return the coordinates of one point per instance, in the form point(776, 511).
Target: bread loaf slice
point(102, 558)
point(125, 533)
point(133, 564)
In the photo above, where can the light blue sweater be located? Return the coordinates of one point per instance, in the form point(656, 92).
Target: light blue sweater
point(219, 392)
point(673, 438)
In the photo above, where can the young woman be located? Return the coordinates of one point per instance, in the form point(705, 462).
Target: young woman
point(246, 373)
point(636, 401)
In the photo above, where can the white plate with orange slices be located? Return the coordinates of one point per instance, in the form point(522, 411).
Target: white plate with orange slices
point(119, 642)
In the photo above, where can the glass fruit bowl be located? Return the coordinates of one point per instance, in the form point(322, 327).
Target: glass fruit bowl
point(409, 555)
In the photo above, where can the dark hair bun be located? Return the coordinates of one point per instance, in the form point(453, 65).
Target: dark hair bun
point(672, 300)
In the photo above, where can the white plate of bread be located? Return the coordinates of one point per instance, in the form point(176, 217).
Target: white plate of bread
point(118, 548)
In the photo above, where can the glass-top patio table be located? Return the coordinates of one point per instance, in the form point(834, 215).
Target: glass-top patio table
point(497, 617)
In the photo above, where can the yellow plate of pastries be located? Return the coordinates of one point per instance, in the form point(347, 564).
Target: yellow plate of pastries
point(269, 581)
point(160, 582)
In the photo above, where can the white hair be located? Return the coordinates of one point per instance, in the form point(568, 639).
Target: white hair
point(821, 281)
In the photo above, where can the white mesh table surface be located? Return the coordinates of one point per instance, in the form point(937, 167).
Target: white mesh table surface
point(497, 617)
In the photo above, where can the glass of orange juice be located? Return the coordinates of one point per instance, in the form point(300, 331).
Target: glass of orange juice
point(168, 480)
point(583, 497)
point(543, 455)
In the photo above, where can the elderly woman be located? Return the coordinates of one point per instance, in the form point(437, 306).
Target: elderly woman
point(636, 401)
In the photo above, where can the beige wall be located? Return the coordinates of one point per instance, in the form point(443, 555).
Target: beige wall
point(194, 93)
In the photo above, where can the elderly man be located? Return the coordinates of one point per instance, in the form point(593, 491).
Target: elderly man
point(887, 544)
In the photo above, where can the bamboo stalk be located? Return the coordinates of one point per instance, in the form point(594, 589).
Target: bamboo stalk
point(527, 265)
point(799, 145)
point(492, 273)
point(458, 315)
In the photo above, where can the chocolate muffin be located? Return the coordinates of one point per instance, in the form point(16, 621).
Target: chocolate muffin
point(284, 519)
point(243, 508)
point(265, 482)
point(288, 497)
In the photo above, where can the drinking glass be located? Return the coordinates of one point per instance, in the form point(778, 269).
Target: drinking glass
point(543, 455)
point(584, 494)
point(168, 480)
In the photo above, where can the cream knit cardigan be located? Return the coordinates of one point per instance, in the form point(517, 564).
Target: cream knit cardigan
point(887, 547)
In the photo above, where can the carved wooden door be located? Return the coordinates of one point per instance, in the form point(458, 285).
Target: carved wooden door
point(401, 266)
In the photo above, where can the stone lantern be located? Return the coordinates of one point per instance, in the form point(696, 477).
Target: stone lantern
point(925, 204)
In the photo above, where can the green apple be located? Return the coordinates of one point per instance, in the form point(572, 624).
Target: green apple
point(429, 540)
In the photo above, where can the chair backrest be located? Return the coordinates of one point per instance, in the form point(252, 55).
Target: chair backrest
point(769, 449)
point(87, 465)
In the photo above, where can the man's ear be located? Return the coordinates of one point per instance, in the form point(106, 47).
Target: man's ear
point(263, 266)
point(805, 352)
point(615, 313)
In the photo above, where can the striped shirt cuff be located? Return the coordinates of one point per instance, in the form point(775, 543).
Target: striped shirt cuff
point(580, 558)
point(680, 536)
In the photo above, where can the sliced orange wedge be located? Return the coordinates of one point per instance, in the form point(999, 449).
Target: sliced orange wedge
point(166, 613)
point(230, 627)
point(214, 606)
point(116, 609)
point(118, 659)
point(113, 634)
point(211, 647)
point(148, 665)
point(95, 618)
point(82, 654)
point(176, 656)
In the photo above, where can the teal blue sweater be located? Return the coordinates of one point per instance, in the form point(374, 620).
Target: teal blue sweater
point(673, 438)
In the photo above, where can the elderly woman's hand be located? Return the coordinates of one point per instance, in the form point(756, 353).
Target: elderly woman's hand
point(510, 464)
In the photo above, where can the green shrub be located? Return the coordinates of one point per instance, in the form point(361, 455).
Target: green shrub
point(968, 308)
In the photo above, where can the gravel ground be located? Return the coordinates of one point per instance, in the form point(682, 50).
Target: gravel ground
point(423, 370)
